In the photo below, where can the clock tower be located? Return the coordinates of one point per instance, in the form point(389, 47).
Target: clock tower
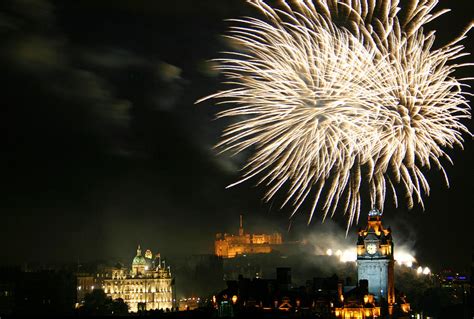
point(375, 258)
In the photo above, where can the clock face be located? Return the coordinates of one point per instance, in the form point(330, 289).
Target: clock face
point(371, 249)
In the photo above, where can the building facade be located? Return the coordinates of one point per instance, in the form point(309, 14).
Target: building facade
point(86, 282)
point(230, 245)
point(374, 296)
point(147, 286)
point(375, 262)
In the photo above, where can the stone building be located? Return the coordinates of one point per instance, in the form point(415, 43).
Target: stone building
point(375, 294)
point(85, 282)
point(375, 261)
point(147, 286)
point(231, 245)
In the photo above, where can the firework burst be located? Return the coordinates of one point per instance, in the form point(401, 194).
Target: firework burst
point(334, 94)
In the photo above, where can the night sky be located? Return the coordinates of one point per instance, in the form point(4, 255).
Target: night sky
point(104, 148)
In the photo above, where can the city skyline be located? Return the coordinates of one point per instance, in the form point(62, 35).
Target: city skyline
point(106, 149)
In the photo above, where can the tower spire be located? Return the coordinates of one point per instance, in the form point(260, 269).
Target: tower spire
point(241, 228)
point(139, 251)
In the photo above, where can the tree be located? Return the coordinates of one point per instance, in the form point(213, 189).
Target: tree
point(96, 303)
point(119, 307)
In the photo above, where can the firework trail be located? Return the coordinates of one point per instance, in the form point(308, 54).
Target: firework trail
point(332, 94)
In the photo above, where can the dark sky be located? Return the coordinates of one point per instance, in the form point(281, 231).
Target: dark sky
point(103, 147)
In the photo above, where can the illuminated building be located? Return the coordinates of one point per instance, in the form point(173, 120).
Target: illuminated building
point(85, 283)
point(230, 245)
point(147, 286)
point(357, 303)
point(375, 260)
point(375, 270)
point(189, 303)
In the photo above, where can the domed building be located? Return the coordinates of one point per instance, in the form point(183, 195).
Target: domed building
point(139, 263)
point(147, 286)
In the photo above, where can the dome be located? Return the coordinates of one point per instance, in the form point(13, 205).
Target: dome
point(139, 260)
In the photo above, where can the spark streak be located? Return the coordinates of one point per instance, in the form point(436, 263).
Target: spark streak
point(331, 95)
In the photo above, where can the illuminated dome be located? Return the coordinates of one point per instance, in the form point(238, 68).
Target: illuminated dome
point(139, 260)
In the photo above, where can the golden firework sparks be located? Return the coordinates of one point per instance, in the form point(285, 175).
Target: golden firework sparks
point(333, 94)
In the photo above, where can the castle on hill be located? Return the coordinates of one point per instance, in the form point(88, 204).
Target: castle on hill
point(231, 245)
